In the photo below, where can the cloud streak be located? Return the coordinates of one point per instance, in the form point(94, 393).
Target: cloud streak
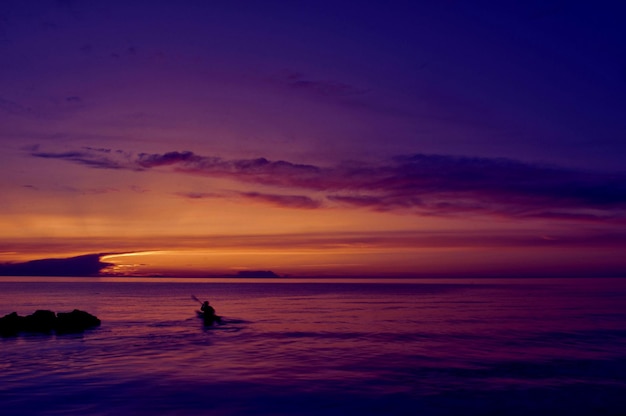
point(280, 200)
point(298, 81)
point(88, 157)
point(86, 265)
point(439, 185)
point(290, 201)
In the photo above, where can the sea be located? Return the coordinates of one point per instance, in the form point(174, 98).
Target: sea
point(319, 347)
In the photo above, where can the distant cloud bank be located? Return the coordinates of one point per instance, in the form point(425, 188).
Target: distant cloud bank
point(438, 185)
point(86, 265)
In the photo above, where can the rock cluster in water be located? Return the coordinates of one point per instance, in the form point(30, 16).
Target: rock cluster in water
point(43, 321)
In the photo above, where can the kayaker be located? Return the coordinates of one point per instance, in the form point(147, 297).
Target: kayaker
point(207, 309)
point(208, 313)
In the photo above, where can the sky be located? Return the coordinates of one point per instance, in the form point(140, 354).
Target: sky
point(383, 139)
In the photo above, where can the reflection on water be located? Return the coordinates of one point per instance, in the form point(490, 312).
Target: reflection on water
point(432, 347)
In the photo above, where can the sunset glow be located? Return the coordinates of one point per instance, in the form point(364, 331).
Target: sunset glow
point(405, 140)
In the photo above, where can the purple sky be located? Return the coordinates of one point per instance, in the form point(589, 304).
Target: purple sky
point(147, 125)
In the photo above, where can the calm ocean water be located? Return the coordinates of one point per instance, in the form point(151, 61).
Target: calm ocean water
point(453, 347)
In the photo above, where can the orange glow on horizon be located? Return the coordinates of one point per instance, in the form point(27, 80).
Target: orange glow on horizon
point(160, 233)
point(337, 262)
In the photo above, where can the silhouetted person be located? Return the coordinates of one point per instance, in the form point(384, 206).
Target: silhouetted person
point(208, 310)
point(208, 313)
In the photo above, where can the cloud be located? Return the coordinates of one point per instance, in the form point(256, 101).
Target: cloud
point(199, 195)
point(336, 92)
point(154, 160)
point(444, 185)
point(90, 191)
point(378, 203)
point(297, 81)
point(439, 185)
point(286, 201)
point(83, 158)
point(86, 265)
point(16, 109)
point(258, 170)
point(138, 189)
point(289, 201)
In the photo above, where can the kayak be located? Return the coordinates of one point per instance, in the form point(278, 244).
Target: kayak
point(209, 319)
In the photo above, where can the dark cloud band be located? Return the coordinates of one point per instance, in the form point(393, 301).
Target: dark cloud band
point(422, 184)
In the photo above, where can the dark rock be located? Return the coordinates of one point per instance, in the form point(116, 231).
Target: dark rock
point(44, 321)
point(11, 324)
point(40, 321)
point(75, 321)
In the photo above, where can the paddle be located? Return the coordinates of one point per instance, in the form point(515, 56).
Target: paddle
point(196, 299)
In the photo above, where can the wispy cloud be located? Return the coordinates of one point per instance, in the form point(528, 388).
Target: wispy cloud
point(280, 200)
point(88, 156)
point(290, 201)
point(91, 191)
point(298, 81)
point(423, 184)
point(335, 92)
point(199, 195)
point(15, 108)
point(171, 158)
